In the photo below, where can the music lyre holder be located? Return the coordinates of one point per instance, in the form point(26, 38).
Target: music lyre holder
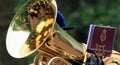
point(100, 41)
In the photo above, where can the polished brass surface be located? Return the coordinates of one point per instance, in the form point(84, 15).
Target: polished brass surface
point(57, 45)
point(45, 59)
point(33, 29)
point(30, 27)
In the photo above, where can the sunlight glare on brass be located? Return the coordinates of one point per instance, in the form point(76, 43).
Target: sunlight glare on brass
point(25, 31)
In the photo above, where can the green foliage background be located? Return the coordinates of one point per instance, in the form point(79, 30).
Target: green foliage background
point(79, 13)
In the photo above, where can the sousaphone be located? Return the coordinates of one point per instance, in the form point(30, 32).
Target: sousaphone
point(34, 28)
point(30, 27)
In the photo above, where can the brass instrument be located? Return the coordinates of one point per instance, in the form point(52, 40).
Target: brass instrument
point(34, 29)
point(63, 45)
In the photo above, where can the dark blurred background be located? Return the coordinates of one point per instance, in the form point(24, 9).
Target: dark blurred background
point(79, 13)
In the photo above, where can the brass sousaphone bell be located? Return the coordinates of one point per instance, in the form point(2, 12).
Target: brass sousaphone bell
point(34, 28)
point(28, 25)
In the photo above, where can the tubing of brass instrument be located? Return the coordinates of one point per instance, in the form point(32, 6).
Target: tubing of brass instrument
point(32, 30)
point(54, 59)
point(61, 44)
